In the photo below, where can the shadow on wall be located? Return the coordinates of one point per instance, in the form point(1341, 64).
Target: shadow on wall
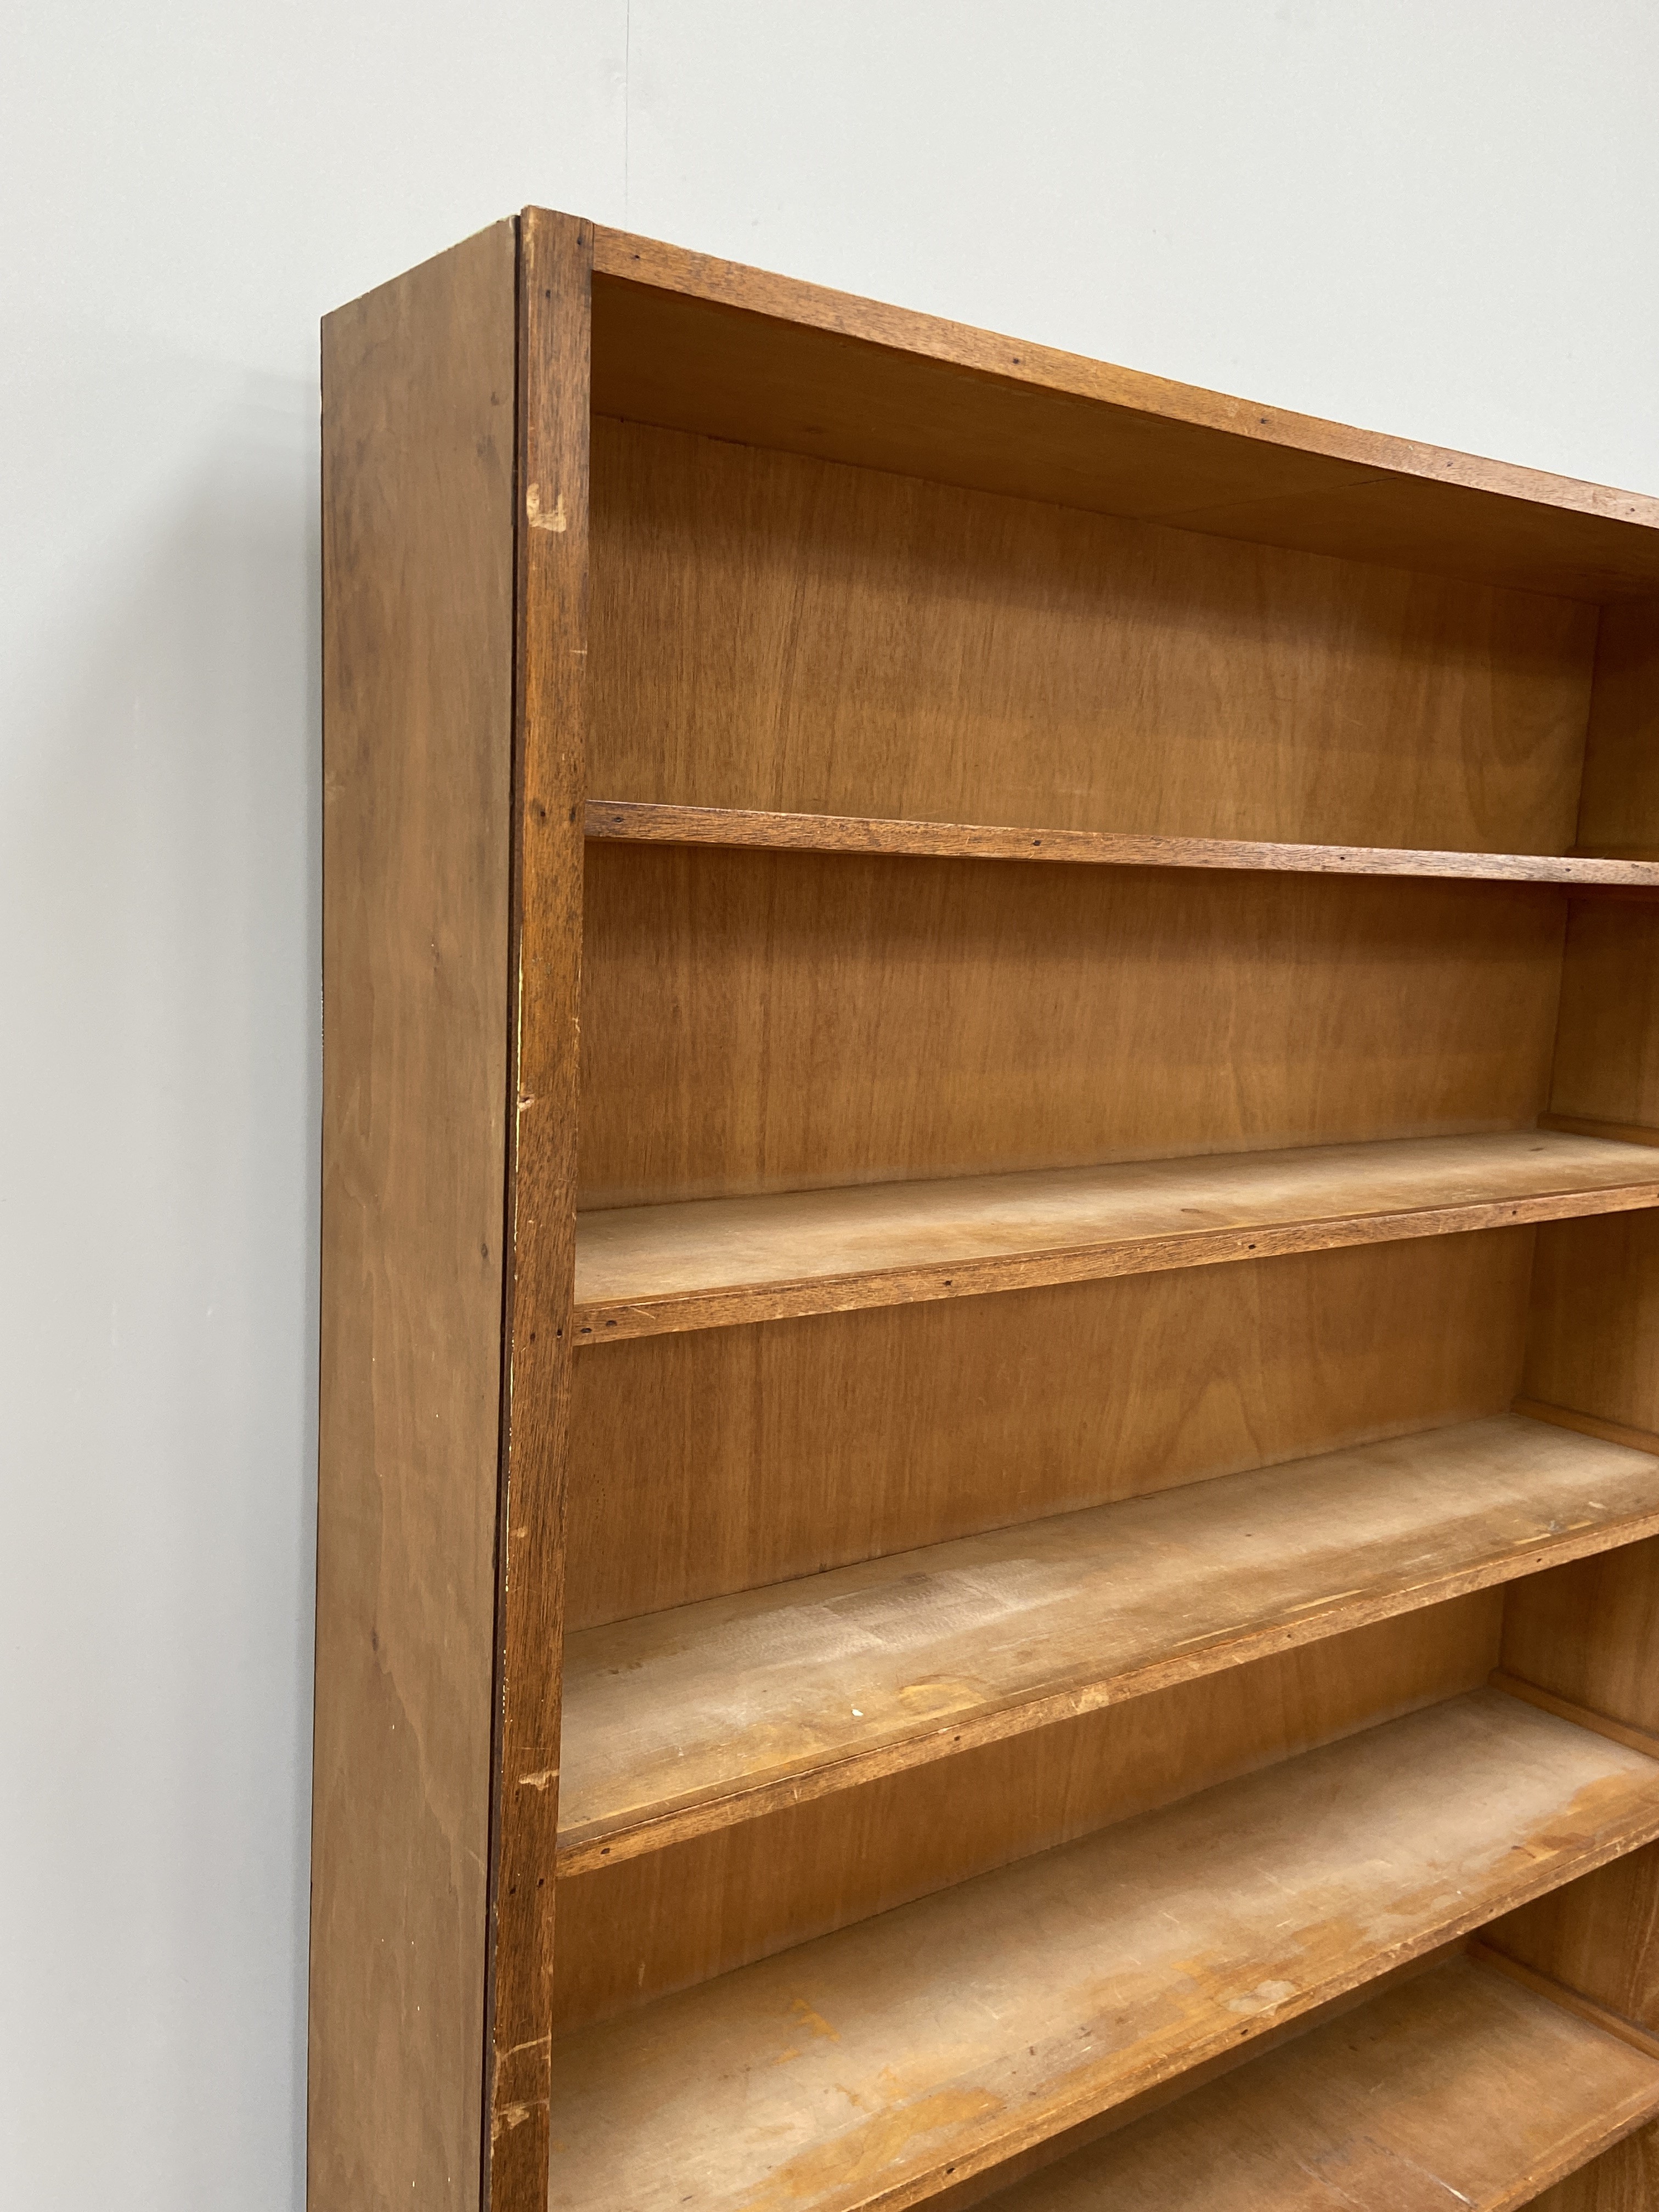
point(160, 865)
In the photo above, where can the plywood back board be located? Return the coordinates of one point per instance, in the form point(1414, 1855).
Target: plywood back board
point(760, 1021)
point(770, 631)
point(724, 1459)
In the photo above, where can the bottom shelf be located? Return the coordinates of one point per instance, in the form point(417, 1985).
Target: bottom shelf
point(1456, 2088)
point(875, 2066)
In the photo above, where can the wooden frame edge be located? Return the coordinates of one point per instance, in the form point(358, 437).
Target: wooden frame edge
point(554, 352)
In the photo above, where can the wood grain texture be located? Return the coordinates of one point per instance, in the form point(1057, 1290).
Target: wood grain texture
point(713, 346)
point(1456, 2088)
point(761, 1021)
point(1574, 1710)
point(864, 2069)
point(1597, 1935)
point(417, 554)
point(1624, 2179)
point(1584, 2008)
point(540, 1100)
point(721, 1261)
point(1607, 1051)
point(690, 1912)
point(752, 1455)
point(638, 822)
point(1589, 1631)
point(688, 1720)
point(1587, 1424)
point(1618, 803)
point(776, 633)
point(1594, 1319)
point(1582, 1125)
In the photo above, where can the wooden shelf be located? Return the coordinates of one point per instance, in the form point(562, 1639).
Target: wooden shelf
point(869, 2067)
point(641, 1271)
point(1457, 2088)
point(685, 1721)
point(641, 823)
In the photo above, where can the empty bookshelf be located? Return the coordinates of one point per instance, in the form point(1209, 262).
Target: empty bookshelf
point(989, 1442)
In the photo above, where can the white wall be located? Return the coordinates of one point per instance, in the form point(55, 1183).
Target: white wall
point(1429, 219)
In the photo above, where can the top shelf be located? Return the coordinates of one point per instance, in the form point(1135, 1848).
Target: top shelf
point(643, 823)
point(696, 344)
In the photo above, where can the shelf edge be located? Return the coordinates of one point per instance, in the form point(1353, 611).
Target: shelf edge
point(606, 1320)
point(648, 822)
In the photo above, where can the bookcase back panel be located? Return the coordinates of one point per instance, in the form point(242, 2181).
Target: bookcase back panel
point(773, 631)
point(759, 1021)
point(679, 1916)
point(727, 1459)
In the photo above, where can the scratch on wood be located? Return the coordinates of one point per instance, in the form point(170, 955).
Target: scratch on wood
point(554, 518)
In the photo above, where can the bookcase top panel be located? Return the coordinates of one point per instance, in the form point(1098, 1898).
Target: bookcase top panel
point(697, 343)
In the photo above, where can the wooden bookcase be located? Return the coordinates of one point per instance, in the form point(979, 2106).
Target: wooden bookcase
point(991, 1258)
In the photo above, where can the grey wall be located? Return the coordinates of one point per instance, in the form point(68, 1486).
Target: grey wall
point(1438, 220)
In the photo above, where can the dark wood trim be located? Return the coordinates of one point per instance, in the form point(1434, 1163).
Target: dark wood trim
point(555, 271)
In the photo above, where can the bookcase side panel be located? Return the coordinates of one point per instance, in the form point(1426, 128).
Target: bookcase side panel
point(1618, 807)
point(1623, 2179)
point(418, 460)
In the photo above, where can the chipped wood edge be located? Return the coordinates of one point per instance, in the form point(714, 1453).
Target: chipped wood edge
point(555, 269)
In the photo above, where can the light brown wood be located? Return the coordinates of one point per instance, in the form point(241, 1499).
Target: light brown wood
point(1618, 803)
point(1583, 1715)
point(990, 1829)
point(1614, 1432)
point(417, 660)
point(775, 633)
point(1590, 1632)
point(1594, 1318)
point(865, 2069)
point(1611, 2023)
point(637, 823)
point(762, 1021)
point(642, 1270)
point(540, 1096)
point(1625, 2179)
point(1607, 1054)
point(1621, 1132)
point(749, 1455)
point(713, 346)
point(689, 1720)
point(1595, 1935)
point(665, 1919)
point(1456, 2088)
